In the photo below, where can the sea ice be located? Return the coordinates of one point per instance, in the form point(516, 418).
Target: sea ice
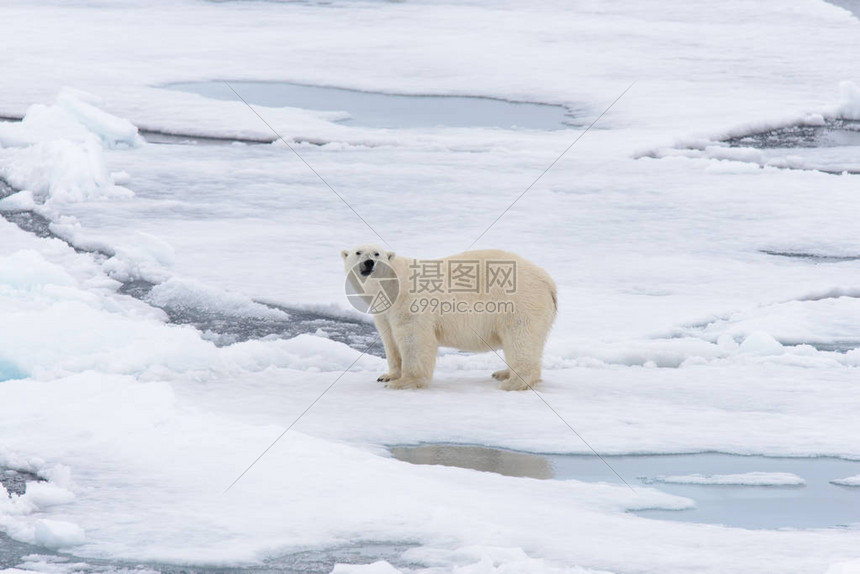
point(849, 101)
point(848, 481)
point(58, 534)
point(743, 479)
point(761, 343)
point(658, 257)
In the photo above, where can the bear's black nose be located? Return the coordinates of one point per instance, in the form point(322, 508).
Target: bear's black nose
point(368, 264)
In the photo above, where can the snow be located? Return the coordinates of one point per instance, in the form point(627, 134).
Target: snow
point(43, 495)
point(74, 116)
point(178, 294)
point(849, 101)
point(848, 481)
point(58, 534)
point(761, 343)
point(223, 402)
point(21, 201)
point(743, 479)
point(380, 567)
point(50, 564)
point(678, 331)
point(56, 152)
point(852, 567)
point(62, 170)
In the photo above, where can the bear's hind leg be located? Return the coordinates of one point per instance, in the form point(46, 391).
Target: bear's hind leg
point(524, 360)
point(521, 379)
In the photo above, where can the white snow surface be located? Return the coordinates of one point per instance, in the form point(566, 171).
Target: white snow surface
point(677, 332)
point(58, 534)
point(57, 151)
point(849, 101)
point(741, 479)
point(178, 294)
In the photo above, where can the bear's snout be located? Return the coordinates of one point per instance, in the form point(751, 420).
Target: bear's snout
point(367, 267)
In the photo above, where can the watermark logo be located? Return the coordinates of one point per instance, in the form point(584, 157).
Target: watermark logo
point(434, 286)
point(372, 289)
point(442, 306)
point(437, 277)
point(461, 286)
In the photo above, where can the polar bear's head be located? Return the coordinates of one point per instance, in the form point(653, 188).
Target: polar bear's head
point(364, 258)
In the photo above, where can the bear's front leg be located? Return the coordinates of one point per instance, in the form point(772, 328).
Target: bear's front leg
point(392, 353)
point(418, 348)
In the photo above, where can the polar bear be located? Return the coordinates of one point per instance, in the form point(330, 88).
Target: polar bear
point(475, 301)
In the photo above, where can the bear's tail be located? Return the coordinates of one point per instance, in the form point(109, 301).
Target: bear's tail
point(553, 292)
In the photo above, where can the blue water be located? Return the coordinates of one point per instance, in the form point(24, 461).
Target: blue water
point(817, 504)
point(380, 110)
point(852, 6)
point(10, 371)
point(18, 554)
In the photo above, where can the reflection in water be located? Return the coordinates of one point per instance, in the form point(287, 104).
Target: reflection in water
point(504, 462)
point(816, 504)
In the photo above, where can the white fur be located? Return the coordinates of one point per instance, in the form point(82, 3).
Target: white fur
point(412, 338)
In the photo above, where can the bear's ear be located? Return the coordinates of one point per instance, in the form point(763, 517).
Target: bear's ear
point(344, 253)
point(391, 256)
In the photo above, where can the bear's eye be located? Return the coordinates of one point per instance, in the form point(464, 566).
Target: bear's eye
point(376, 254)
point(358, 252)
